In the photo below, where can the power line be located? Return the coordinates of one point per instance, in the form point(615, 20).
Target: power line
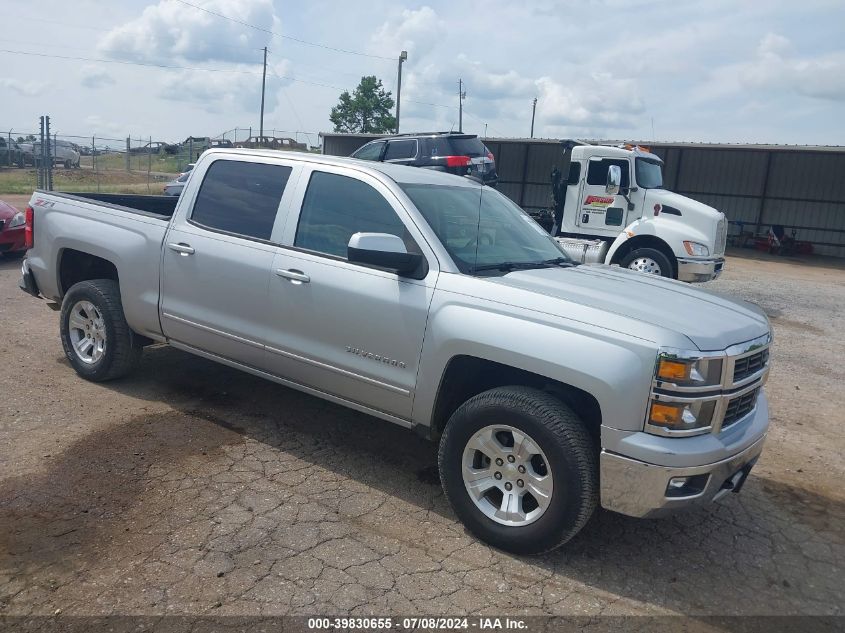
point(166, 66)
point(128, 63)
point(63, 24)
point(287, 37)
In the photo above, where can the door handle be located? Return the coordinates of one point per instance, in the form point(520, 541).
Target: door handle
point(183, 249)
point(296, 276)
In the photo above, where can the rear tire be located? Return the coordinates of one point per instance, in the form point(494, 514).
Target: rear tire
point(97, 341)
point(649, 261)
point(554, 433)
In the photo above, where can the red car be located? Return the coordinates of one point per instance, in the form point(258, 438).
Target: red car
point(12, 229)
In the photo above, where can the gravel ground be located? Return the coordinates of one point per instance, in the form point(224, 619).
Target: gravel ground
point(192, 488)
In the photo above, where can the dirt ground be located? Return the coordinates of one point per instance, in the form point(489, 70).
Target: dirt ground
point(191, 488)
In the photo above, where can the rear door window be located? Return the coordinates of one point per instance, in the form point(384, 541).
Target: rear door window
point(240, 197)
point(371, 151)
point(401, 150)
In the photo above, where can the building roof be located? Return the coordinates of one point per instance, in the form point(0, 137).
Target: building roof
point(644, 143)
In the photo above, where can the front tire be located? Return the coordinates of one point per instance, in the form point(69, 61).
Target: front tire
point(519, 469)
point(648, 260)
point(97, 341)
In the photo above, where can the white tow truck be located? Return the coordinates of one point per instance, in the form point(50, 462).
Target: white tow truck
point(610, 207)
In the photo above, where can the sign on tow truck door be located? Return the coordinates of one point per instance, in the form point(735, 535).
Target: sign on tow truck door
point(600, 213)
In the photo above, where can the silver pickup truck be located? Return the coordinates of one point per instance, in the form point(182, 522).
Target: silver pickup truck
point(430, 301)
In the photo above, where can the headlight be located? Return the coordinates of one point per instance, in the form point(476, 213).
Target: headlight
point(17, 220)
point(686, 389)
point(681, 416)
point(683, 369)
point(696, 250)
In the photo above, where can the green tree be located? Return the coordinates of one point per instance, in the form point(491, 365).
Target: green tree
point(368, 109)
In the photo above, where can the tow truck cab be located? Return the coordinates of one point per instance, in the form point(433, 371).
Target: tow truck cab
point(611, 207)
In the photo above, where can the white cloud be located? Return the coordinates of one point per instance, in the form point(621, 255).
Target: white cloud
point(227, 92)
point(417, 31)
point(170, 29)
point(599, 101)
point(93, 77)
point(23, 88)
point(775, 70)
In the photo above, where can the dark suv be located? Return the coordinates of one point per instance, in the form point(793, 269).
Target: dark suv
point(460, 154)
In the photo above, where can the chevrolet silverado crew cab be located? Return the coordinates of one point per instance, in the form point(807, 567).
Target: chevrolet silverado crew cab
point(430, 301)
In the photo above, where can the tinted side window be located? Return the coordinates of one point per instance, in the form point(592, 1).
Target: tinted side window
point(597, 171)
point(239, 197)
point(574, 173)
point(336, 207)
point(397, 150)
point(371, 151)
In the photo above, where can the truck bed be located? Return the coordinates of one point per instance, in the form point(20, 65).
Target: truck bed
point(156, 206)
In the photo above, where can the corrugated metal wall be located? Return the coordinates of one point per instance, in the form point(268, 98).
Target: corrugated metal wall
point(799, 188)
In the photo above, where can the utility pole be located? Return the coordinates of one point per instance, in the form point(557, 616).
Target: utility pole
point(533, 112)
point(263, 84)
point(402, 57)
point(462, 94)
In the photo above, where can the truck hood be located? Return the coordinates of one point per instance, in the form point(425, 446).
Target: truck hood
point(681, 203)
point(710, 320)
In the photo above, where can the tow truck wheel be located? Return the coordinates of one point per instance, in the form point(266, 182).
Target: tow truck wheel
point(519, 469)
point(648, 260)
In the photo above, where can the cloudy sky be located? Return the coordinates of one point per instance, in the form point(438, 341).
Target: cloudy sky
point(765, 71)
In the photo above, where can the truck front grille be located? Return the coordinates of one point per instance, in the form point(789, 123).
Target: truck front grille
point(739, 407)
point(745, 367)
point(721, 236)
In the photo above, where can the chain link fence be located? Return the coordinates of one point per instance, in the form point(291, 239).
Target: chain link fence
point(110, 163)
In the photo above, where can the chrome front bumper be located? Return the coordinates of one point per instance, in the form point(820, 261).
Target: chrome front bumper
point(699, 270)
point(640, 489)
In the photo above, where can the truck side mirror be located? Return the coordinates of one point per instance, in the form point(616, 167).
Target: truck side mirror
point(614, 180)
point(382, 250)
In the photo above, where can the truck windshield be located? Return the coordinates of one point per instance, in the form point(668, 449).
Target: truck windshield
point(649, 173)
point(483, 230)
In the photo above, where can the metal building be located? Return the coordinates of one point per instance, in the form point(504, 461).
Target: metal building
point(798, 187)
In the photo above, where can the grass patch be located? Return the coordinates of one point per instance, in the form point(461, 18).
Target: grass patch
point(138, 162)
point(25, 181)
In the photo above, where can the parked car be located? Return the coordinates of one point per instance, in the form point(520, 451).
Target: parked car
point(10, 153)
point(432, 302)
point(460, 154)
point(12, 231)
point(61, 152)
point(175, 186)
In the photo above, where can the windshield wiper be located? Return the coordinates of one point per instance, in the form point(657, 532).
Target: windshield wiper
point(509, 266)
point(563, 262)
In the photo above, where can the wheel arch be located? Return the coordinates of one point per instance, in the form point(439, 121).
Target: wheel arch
point(645, 241)
point(466, 376)
point(75, 266)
